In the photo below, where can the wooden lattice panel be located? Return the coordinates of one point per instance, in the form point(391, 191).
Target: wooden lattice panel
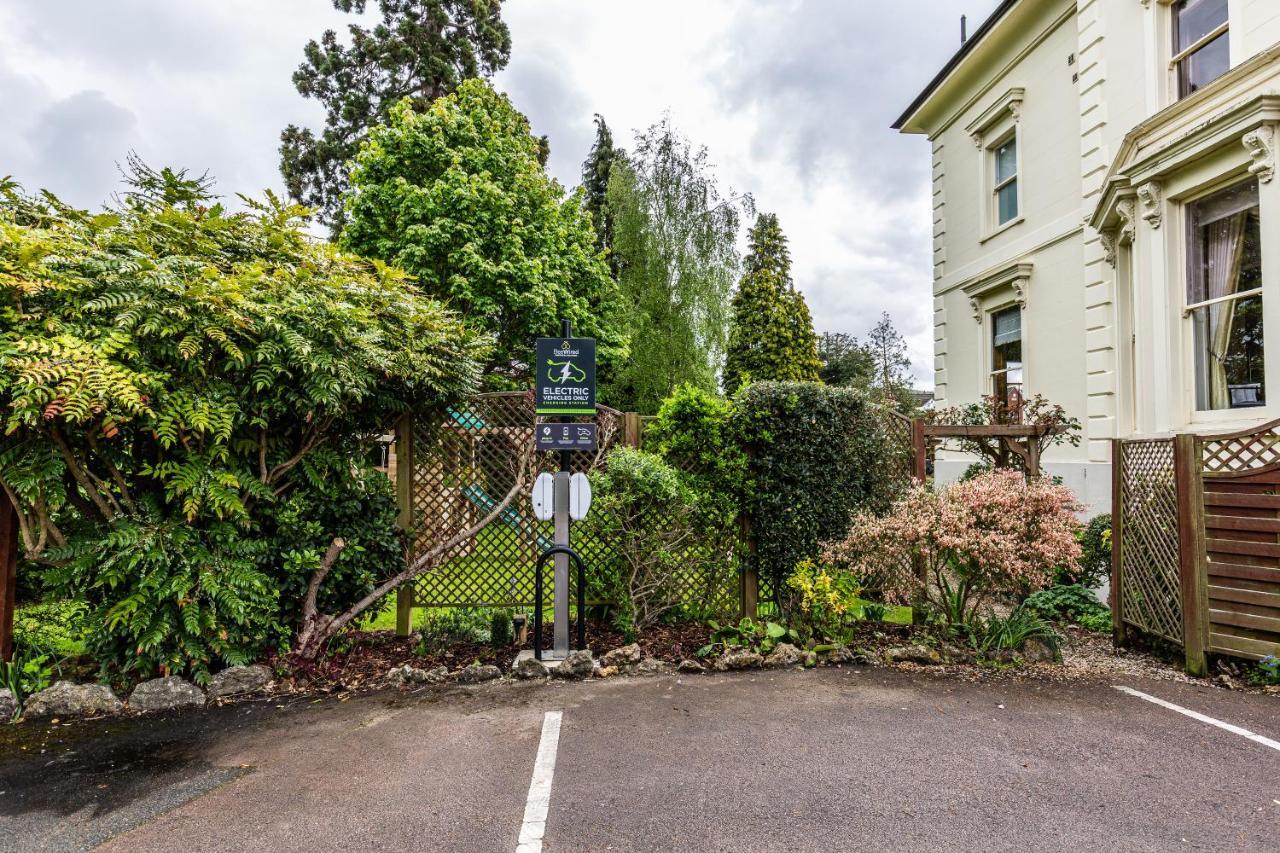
point(1242, 453)
point(1150, 593)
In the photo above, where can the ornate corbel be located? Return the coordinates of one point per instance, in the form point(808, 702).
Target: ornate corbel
point(1260, 144)
point(1020, 292)
point(1108, 240)
point(1125, 209)
point(976, 308)
point(1152, 200)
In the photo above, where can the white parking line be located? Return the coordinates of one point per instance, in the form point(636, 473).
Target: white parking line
point(539, 800)
point(1195, 715)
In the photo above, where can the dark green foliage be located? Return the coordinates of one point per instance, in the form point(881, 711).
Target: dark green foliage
point(844, 360)
point(642, 506)
point(1265, 673)
point(694, 432)
point(1070, 603)
point(817, 454)
point(1012, 632)
point(55, 627)
point(596, 170)
point(332, 499)
point(501, 629)
point(421, 50)
point(761, 637)
point(770, 332)
point(456, 196)
point(453, 626)
point(1095, 560)
point(169, 597)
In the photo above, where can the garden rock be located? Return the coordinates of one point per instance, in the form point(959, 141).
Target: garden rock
point(236, 680)
point(864, 656)
point(917, 653)
point(652, 666)
point(1038, 651)
point(166, 694)
point(623, 656)
point(578, 664)
point(690, 665)
point(65, 699)
point(607, 672)
point(784, 655)
point(531, 668)
point(737, 658)
point(840, 654)
point(7, 705)
point(479, 673)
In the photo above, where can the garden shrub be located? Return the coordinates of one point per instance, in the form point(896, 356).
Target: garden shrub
point(1094, 565)
point(1265, 673)
point(453, 626)
point(694, 433)
point(996, 534)
point(643, 507)
point(1070, 603)
point(817, 455)
point(1010, 633)
point(55, 627)
point(824, 600)
point(167, 369)
point(501, 629)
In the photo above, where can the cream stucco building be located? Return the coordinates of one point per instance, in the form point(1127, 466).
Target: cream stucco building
point(1106, 222)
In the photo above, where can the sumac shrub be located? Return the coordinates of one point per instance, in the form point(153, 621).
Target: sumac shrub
point(816, 455)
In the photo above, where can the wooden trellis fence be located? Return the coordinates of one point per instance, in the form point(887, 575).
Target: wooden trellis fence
point(1196, 542)
point(452, 471)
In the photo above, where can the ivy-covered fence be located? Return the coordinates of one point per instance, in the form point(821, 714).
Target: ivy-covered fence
point(813, 455)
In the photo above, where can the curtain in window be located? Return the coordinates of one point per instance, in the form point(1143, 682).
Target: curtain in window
point(1224, 250)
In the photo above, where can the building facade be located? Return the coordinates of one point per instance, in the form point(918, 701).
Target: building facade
point(1106, 226)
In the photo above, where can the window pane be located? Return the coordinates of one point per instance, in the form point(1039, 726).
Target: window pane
point(1007, 202)
point(1205, 65)
point(1225, 244)
point(1229, 354)
point(1195, 19)
point(1006, 161)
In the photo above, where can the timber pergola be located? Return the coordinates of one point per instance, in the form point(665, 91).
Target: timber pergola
point(1021, 440)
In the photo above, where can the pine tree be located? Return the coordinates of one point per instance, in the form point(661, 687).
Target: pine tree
point(771, 331)
point(596, 170)
point(421, 50)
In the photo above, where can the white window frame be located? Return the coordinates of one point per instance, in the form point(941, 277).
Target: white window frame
point(995, 126)
point(998, 185)
point(989, 345)
point(1167, 30)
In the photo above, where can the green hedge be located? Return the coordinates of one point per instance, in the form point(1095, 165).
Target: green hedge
point(817, 454)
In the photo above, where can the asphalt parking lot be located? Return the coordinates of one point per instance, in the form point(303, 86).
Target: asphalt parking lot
point(838, 759)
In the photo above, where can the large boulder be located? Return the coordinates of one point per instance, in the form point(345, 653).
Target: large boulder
point(531, 667)
point(7, 705)
point(579, 664)
point(236, 680)
point(479, 673)
point(65, 699)
point(784, 654)
point(738, 658)
point(917, 653)
point(622, 657)
point(166, 694)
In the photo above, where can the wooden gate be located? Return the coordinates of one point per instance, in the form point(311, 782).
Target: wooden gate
point(1196, 527)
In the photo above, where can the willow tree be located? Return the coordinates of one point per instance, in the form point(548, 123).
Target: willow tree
point(675, 242)
point(771, 335)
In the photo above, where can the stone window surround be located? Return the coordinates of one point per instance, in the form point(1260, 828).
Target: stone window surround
point(994, 290)
point(992, 127)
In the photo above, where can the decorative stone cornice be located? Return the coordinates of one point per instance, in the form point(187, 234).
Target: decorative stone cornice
point(1014, 277)
point(1151, 197)
point(1008, 105)
point(1261, 146)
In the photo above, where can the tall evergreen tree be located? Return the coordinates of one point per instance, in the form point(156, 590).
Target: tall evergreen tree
point(675, 240)
point(596, 170)
point(421, 50)
point(771, 332)
point(889, 355)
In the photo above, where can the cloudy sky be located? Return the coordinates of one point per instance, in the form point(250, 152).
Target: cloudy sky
point(793, 98)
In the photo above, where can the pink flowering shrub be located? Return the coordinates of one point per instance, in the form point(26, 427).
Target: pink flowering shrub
point(954, 551)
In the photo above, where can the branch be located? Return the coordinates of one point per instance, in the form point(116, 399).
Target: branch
point(78, 473)
point(112, 470)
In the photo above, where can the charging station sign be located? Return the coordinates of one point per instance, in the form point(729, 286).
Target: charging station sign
point(566, 376)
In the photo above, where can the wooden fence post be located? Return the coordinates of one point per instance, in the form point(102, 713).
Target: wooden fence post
point(1119, 635)
point(632, 429)
point(404, 502)
point(8, 573)
point(919, 450)
point(1191, 559)
point(748, 576)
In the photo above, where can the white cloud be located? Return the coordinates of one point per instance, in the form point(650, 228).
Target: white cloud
point(793, 98)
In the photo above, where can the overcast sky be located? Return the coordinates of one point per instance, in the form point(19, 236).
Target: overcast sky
point(793, 98)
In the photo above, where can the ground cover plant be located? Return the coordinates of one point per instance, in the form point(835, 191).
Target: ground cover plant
point(1071, 603)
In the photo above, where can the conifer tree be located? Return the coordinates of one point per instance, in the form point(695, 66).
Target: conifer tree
point(771, 331)
point(595, 186)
